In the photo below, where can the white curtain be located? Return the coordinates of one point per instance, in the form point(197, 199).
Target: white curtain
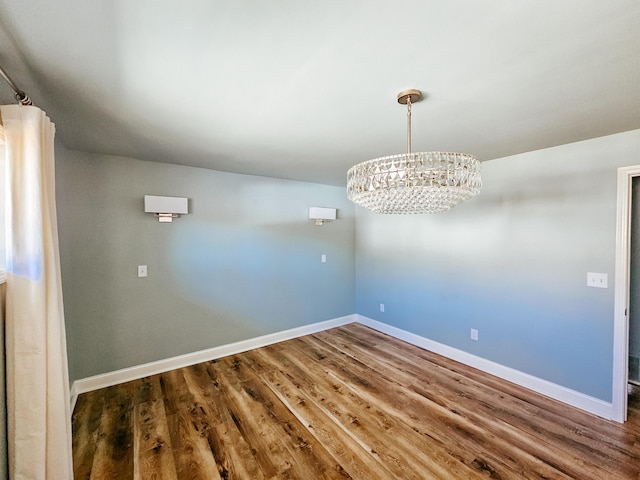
point(38, 409)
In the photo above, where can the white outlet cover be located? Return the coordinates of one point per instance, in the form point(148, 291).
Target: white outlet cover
point(474, 334)
point(597, 280)
point(382, 307)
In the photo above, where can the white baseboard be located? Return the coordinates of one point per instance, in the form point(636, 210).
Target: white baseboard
point(109, 379)
point(544, 387)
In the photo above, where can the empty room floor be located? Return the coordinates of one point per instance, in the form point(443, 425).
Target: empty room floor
point(349, 402)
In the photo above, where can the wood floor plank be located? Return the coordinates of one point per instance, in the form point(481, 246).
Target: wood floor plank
point(187, 426)
point(233, 455)
point(349, 402)
point(153, 455)
point(86, 424)
point(113, 456)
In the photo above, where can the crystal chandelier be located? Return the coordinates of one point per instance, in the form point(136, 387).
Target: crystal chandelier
point(423, 182)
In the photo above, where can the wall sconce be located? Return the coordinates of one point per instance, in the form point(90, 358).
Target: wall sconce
point(321, 214)
point(166, 208)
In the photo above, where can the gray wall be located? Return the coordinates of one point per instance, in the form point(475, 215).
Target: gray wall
point(511, 263)
point(245, 262)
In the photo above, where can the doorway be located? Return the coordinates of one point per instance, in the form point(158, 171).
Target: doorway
point(633, 375)
point(622, 292)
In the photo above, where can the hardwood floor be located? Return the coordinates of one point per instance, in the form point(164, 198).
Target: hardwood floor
point(345, 403)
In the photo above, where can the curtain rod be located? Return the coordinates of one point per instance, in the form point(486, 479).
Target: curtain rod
point(21, 97)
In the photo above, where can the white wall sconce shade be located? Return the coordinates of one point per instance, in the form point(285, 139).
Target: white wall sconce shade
point(322, 214)
point(166, 208)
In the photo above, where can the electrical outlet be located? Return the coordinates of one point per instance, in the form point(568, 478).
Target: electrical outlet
point(142, 271)
point(382, 307)
point(323, 258)
point(474, 334)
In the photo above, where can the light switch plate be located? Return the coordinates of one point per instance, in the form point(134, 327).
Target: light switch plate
point(142, 271)
point(598, 280)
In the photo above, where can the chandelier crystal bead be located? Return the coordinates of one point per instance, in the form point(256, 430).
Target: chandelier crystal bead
point(410, 183)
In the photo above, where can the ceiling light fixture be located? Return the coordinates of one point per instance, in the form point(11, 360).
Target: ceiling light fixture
point(422, 182)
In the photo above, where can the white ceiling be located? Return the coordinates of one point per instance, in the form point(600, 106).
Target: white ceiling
point(305, 89)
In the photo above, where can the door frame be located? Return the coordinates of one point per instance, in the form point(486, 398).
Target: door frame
point(621, 302)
